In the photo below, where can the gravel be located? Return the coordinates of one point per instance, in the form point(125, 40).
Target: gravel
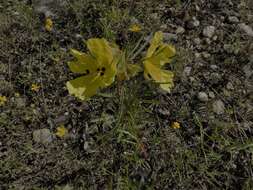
point(209, 31)
point(218, 107)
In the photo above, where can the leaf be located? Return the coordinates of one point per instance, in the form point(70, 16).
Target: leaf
point(61, 131)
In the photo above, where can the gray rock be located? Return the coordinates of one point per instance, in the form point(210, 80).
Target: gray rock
point(248, 71)
point(214, 67)
point(209, 31)
point(211, 95)
point(180, 30)
point(169, 36)
point(218, 107)
point(187, 71)
point(230, 86)
point(42, 136)
point(246, 28)
point(197, 41)
point(233, 19)
point(202, 96)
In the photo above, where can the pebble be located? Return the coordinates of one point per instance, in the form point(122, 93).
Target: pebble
point(218, 107)
point(214, 67)
point(209, 31)
point(211, 95)
point(202, 96)
point(233, 19)
point(229, 86)
point(246, 28)
point(169, 36)
point(42, 136)
point(180, 30)
point(187, 71)
point(197, 41)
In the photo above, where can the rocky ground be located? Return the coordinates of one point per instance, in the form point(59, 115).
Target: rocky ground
point(124, 141)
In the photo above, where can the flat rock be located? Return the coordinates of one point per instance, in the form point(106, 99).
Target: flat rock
point(218, 107)
point(246, 28)
point(202, 96)
point(43, 136)
point(209, 31)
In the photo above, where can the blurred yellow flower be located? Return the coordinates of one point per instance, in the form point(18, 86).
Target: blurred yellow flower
point(157, 56)
point(35, 87)
point(61, 131)
point(3, 99)
point(175, 125)
point(98, 67)
point(48, 24)
point(17, 94)
point(135, 28)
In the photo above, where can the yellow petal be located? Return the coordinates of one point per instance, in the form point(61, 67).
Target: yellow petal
point(61, 131)
point(163, 55)
point(163, 77)
point(155, 43)
point(84, 63)
point(83, 87)
point(101, 50)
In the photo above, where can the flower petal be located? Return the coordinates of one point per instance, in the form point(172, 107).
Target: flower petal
point(164, 77)
point(163, 55)
point(83, 87)
point(84, 63)
point(101, 50)
point(155, 43)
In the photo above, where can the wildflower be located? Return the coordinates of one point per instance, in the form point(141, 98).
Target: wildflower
point(135, 28)
point(3, 100)
point(48, 24)
point(61, 131)
point(175, 125)
point(157, 56)
point(35, 87)
point(98, 67)
point(17, 94)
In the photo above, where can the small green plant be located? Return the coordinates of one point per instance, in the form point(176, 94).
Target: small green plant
point(105, 61)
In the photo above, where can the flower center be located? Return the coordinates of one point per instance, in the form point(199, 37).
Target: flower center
point(101, 71)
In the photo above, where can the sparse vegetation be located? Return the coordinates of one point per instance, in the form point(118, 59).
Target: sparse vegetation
point(123, 138)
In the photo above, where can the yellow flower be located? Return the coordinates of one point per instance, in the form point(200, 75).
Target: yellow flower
point(135, 28)
point(157, 56)
point(99, 68)
point(48, 24)
point(35, 87)
point(175, 125)
point(61, 131)
point(3, 100)
point(17, 94)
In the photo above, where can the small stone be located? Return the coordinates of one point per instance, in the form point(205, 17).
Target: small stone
point(20, 102)
point(248, 71)
point(209, 31)
point(197, 41)
point(214, 67)
point(197, 55)
point(187, 71)
point(229, 86)
point(206, 55)
point(246, 28)
point(196, 23)
point(233, 19)
point(218, 107)
point(180, 30)
point(169, 36)
point(202, 96)
point(42, 136)
point(211, 95)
